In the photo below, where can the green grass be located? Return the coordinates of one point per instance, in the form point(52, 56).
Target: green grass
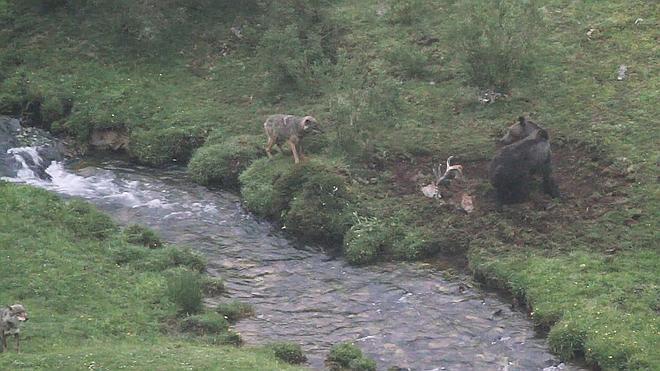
point(385, 122)
point(84, 307)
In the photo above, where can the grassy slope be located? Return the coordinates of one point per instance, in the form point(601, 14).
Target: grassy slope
point(85, 310)
point(606, 303)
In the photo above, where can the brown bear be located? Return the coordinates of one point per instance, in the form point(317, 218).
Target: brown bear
point(513, 165)
point(520, 130)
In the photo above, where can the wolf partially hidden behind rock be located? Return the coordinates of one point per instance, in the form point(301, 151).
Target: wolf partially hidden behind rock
point(527, 153)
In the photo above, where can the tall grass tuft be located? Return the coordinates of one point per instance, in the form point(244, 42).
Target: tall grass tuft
point(184, 288)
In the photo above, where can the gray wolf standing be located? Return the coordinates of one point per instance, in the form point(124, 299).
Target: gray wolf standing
point(11, 317)
point(290, 129)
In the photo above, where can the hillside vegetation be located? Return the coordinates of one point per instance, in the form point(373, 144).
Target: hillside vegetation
point(399, 87)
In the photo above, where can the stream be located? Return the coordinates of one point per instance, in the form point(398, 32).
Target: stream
point(407, 315)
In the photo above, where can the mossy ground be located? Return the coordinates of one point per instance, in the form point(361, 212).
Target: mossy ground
point(86, 310)
point(395, 101)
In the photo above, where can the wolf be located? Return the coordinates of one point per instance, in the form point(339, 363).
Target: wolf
point(11, 317)
point(291, 129)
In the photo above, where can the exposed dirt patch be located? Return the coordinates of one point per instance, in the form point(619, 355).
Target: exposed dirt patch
point(589, 189)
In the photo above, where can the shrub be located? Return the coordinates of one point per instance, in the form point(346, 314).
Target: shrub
point(205, 324)
point(85, 221)
point(366, 241)
point(496, 40)
point(221, 164)
point(184, 289)
point(160, 147)
point(288, 352)
point(257, 185)
point(139, 235)
point(235, 310)
point(347, 356)
point(212, 286)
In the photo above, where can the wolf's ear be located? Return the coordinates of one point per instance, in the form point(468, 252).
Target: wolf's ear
point(543, 134)
point(522, 120)
point(307, 120)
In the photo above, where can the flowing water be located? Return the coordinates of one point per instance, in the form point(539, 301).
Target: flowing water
point(406, 315)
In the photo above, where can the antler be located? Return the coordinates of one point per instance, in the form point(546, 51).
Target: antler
point(452, 172)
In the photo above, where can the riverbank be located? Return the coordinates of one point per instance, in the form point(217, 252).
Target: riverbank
point(86, 310)
point(585, 265)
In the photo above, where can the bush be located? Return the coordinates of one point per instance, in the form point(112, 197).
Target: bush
point(85, 221)
point(367, 241)
point(221, 164)
point(496, 40)
point(235, 310)
point(288, 352)
point(347, 356)
point(139, 235)
point(160, 147)
point(212, 286)
point(257, 185)
point(205, 324)
point(184, 289)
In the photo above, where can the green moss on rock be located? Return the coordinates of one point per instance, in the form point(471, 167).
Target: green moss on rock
point(258, 182)
point(160, 147)
point(320, 202)
point(221, 164)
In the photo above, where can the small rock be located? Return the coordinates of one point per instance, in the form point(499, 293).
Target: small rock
point(466, 203)
point(622, 72)
point(590, 32)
